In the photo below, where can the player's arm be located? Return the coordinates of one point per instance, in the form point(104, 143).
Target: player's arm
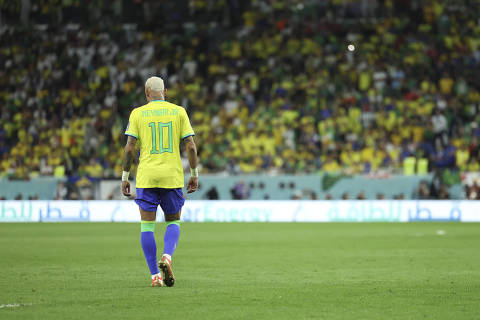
point(191, 149)
point(128, 158)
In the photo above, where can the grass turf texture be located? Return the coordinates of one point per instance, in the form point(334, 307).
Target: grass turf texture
point(235, 271)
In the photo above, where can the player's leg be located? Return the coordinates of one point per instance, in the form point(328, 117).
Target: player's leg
point(148, 207)
point(170, 241)
point(172, 234)
point(171, 203)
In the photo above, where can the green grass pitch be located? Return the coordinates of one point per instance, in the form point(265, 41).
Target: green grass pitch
point(243, 271)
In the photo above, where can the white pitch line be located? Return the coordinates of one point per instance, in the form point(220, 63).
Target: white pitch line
point(14, 305)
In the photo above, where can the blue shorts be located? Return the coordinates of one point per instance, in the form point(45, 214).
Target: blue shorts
point(170, 200)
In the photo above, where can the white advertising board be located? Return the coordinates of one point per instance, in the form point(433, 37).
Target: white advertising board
point(246, 211)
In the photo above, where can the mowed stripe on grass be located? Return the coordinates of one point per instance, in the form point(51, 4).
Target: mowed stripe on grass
point(243, 270)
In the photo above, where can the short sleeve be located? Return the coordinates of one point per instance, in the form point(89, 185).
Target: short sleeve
point(132, 126)
point(186, 129)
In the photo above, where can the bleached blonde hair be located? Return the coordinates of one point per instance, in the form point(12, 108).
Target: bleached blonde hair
point(155, 84)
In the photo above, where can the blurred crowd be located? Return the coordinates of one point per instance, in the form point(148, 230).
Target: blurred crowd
point(271, 86)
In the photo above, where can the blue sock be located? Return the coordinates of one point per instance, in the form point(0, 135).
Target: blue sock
point(149, 246)
point(172, 233)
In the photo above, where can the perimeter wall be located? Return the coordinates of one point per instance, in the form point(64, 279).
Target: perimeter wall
point(247, 211)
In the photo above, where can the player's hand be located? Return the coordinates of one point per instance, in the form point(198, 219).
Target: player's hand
point(192, 185)
point(126, 188)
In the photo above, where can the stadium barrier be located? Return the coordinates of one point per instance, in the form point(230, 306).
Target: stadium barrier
point(247, 211)
point(278, 187)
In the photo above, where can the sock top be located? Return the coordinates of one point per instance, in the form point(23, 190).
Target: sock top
point(177, 222)
point(147, 226)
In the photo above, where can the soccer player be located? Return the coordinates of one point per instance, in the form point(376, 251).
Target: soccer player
point(160, 126)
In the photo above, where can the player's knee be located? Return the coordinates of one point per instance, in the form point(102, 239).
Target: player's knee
point(147, 215)
point(172, 217)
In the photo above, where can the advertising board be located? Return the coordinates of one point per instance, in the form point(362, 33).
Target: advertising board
point(246, 211)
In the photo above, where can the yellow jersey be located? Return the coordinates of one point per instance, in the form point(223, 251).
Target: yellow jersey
point(160, 126)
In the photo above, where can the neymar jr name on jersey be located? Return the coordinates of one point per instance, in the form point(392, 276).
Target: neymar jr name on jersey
point(159, 112)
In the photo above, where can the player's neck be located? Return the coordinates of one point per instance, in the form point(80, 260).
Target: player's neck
point(156, 99)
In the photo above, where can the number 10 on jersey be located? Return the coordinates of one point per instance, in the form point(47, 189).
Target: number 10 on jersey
point(164, 137)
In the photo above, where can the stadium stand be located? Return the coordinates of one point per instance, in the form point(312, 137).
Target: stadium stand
point(267, 91)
